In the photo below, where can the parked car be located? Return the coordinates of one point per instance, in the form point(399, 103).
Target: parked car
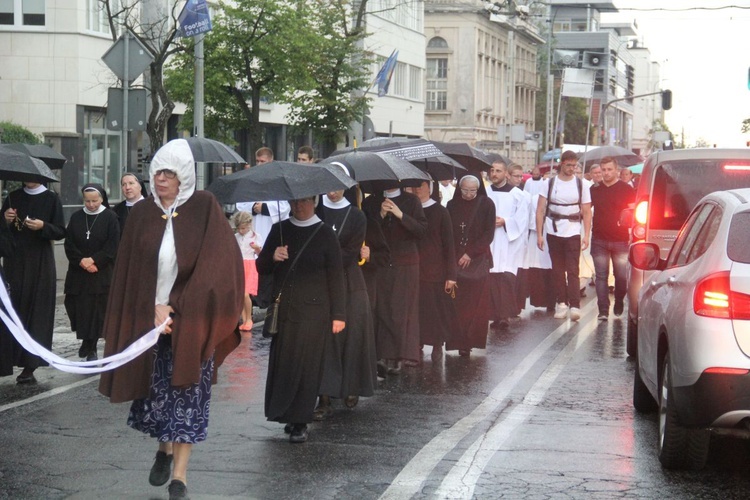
point(693, 356)
point(670, 185)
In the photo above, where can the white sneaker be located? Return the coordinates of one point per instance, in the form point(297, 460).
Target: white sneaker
point(575, 314)
point(561, 311)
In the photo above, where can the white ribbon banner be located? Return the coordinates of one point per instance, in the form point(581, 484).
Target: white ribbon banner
point(14, 324)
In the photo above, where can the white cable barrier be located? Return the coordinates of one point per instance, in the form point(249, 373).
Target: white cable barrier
point(14, 324)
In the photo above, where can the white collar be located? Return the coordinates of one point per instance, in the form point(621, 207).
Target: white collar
point(305, 223)
point(428, 203)
point(342, 203)
point(37, 190)
point(131, 203)
point(394, 194)
point(99, 210)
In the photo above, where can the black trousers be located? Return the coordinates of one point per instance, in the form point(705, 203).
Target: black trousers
point(565, 254)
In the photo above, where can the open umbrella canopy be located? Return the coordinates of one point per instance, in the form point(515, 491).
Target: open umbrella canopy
point(470, 157)
point(49, 156)
point(493, 157)
point(624, 157)
point(369, 166)
point(419, 152)
point(17, 166)
point(279, 180)
point(211, 151)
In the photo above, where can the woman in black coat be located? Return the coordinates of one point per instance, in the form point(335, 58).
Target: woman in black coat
point(313, 305)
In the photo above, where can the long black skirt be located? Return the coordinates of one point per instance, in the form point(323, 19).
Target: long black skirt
point(397, 333)
point(437, 314)
point(473, 311)
point(86, 314)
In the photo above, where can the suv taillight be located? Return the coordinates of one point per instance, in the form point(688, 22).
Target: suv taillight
point(714, 298)
point(640, 216)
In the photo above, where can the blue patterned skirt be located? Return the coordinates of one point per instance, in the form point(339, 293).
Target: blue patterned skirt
point(173, 414)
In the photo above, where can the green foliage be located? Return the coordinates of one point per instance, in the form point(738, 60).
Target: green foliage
point(576, 121)
point(12, 133)
point(296, 52)
point(746, 125)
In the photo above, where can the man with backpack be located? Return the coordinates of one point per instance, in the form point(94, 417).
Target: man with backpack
point(562, 207)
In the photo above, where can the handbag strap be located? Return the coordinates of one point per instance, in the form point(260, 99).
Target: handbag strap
point(296, 258)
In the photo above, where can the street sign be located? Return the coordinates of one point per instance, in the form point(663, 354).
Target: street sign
point(136, 109)
point(194, 18)
point(138, 58)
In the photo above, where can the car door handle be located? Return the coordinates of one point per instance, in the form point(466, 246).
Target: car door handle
point(671, 281)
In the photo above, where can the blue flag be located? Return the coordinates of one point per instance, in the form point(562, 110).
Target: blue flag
point(194, 18)
point(386, 72)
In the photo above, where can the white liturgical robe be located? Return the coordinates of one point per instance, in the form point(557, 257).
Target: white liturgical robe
point(510, 204)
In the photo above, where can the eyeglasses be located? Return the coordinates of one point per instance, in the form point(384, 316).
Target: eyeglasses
point(169, 174)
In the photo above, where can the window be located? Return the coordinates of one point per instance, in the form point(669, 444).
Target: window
point(687, 237)
point(415, 83)
point(400, 78)
point(22, 12)
point(437, 84)
point(101, 154)
point(96, 18)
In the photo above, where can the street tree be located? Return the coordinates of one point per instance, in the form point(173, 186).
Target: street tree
point(155, 25)
point(339, 73)
point(258, 49)
point(746, 125)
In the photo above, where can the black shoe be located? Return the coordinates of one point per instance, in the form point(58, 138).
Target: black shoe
point(26, 378)
point(177, 489)
point(92, 356)
point(299, 433)
point(437, 353)
point(382, 369)
point(618, 308)
point(464, 354)
point(84, 349)
point(161, 470)
point(583, 292)
point(395, 368)
point(288, 428)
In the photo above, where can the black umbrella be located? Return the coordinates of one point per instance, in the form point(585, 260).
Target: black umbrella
point(419, 152)
point(52, 158)
point(211, 151)
point(468, 156)
point(624, 157)
point(493, 157)
point(279, 180)
point(17, 166)
point(368, 166)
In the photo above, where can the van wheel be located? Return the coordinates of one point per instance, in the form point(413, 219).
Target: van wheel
point(643, 401)
point(679, 447)
point(631, 342)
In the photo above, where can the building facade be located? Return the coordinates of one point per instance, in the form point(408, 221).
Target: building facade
point(482, 80)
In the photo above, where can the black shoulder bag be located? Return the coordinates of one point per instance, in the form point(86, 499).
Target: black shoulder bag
point(271, 323)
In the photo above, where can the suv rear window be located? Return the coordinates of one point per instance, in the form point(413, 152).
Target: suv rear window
point(679, 186)
point(739, 235)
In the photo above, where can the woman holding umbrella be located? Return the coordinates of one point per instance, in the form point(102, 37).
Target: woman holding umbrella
point(33, 218)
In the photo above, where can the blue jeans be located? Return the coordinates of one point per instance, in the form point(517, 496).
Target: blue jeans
point(602, 251)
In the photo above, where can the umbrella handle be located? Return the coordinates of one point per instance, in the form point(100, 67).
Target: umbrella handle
point(362, 261)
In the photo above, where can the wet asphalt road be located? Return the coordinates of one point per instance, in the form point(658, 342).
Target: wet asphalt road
point(543, 412)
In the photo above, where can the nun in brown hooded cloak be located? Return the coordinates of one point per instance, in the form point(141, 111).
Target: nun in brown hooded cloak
point(177, 259)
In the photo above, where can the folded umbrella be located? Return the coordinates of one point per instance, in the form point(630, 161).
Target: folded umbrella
point(279, 180)
point(49, 156)
point(17, 166)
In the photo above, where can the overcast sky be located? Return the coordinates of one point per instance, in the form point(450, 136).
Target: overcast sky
point(704, 57)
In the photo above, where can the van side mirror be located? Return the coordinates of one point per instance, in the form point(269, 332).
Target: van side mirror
point(645, 256)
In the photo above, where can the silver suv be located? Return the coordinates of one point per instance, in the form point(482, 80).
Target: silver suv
point(670, 185)
point(693, 359)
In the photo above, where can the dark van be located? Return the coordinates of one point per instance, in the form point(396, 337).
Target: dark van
point(671, 184)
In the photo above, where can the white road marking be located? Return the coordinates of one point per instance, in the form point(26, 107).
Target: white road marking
point(409, 480)
point(462, 479)
point(48, 394)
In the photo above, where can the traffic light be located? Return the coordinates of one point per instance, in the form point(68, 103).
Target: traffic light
point(666, 99)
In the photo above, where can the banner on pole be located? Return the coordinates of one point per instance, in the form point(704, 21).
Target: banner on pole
point(194, 18)
point(578, 83)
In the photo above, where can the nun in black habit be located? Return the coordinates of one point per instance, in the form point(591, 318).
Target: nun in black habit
point(312, 307)
point(133, 190)
point(437, 274)
point(33, 218)
point(403, 224)
point(350, 362)
point(473, 218)
point(91, 241)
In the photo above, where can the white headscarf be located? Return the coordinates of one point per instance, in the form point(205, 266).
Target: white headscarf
point(177, 157)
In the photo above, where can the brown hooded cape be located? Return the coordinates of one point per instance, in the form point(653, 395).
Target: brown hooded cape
point(206, 297)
